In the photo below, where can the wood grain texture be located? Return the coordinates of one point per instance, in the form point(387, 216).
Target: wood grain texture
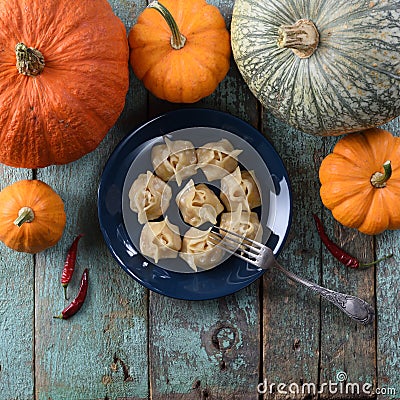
point(16, 312)
point(388, 306)
point(129, 344)
point(388, 323)
point(205, 349)
point(102, 351)
point(104, 346)
point(291, 313)
point(353, 350)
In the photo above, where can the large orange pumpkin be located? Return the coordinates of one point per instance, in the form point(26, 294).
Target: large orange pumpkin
point(360, 181)
point(182, 52)
point(32, 216)
point(63, 79)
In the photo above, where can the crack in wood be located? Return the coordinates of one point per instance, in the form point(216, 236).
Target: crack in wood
point(296, 344)
point(203, 393)
point(196, 384)
point(125, 369)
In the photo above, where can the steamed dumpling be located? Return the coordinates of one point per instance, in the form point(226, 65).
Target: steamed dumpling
point(250, 187)
point(160, 240)
point(149, 197)
point(240, 189)
point(197, 251)
point(217, 159)
point(198, 204)
point(174, 160)
point(242, 223)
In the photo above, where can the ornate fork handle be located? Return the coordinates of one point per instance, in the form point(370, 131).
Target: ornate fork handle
point(354, 307)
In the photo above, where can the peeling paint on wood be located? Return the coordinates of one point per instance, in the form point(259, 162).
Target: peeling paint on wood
point(291, 312)
point(16, 312)
point(102, 351)
point(209, 345)
point(388, 306)
point(129, 344)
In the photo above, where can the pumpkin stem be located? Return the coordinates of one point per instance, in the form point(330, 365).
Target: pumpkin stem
point(379, 179)
point(25, 214)
point(30, 61)
point(302, 37)
point(177, 39)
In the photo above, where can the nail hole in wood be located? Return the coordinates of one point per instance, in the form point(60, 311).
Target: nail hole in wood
point(196, 384)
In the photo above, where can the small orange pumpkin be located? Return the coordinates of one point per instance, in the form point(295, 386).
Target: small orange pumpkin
point(189, 65)
point(32, 216)
point(361, 181)
point(63, 79)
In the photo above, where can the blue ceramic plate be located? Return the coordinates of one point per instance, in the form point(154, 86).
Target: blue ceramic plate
point(196, 125)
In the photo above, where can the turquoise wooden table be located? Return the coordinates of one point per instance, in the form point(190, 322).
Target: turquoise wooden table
point(130, 343)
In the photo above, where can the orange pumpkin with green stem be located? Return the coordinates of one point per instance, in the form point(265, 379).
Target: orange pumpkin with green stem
point(63, 79)
point(360, 181)
point(32, 216)
point(182, 52)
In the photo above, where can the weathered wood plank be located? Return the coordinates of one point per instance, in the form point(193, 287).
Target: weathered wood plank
point(102, 351)
point(104, 346)
point(388, 306)
point(16, 311)
point(291, 313)
point(188, 357)
point(198, 350)
point(353, 350)
point(205, 349)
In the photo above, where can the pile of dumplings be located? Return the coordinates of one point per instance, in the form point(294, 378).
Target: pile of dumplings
point(150, 197)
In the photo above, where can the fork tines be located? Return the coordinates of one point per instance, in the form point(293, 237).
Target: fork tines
point(240, 246)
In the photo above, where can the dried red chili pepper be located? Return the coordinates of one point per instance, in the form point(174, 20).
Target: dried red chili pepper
point(69, 265)
point(338, 252)
point(77, 303)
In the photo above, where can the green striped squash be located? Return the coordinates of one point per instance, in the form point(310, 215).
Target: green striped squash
point(325, 67)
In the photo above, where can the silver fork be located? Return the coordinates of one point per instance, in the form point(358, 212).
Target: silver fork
point(262, 257)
